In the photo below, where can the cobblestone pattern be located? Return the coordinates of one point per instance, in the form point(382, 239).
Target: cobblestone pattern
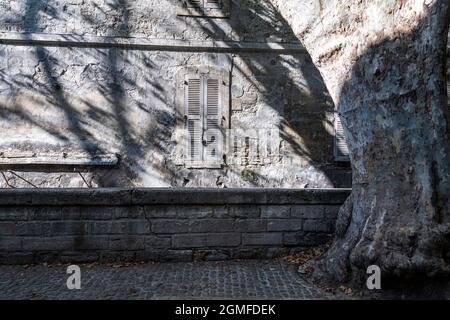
point(34, 234)
point(208, 280)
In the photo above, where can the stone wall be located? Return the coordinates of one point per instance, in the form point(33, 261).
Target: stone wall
point(85, 81)
point(104, 225)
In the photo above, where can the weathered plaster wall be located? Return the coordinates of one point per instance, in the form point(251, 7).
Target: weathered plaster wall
point(79, 99)
point(249, 20)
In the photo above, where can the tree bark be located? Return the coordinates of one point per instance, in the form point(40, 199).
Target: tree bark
point(384, 63)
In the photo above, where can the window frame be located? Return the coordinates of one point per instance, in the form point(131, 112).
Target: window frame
point(182, 150)
point(205, 11)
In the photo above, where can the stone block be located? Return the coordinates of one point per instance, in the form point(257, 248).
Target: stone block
point(120, 227)
point(307, 196)
point(223, 240)
point(91, 242)
point(160, 211)
point(7, 228)
point(131, 212)
point(96, 213)
point(244, 211)
point(71, 213)
point(136, 227)
point(16, 258)
point(284, 224)
point(37, 228)
point(250, 225)
point(186, 211)
point(194, 211)
point(314, 225)
point(220, 211)
point(45, 213)
point(127, 243)
point(275, 211)
point(331, 212)
point(192, 226)
point(189, 240)
point(46, 256)
point(305, 239)
point(47, 244)
point(206, 240)
point(66, 228)
point(99, 227)
point(66, 197)
point(14, 213)
point(10, 243)
point(149, 255)
point(263, 239)
point(157, 242)
point(307, 211)
point(176, 256)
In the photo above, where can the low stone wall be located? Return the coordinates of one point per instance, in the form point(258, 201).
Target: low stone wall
point(105, 225)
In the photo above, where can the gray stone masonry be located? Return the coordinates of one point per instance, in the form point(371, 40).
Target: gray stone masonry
point(105, 225)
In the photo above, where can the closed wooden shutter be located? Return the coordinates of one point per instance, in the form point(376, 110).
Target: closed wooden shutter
point(194, 118)
point(194, 3)
point(203, 119)
point(213, 4)
point(205, 8)
point(341, 149)
point(213, 114)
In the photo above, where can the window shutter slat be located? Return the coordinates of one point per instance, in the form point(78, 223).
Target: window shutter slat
point(213, 117)
point(212, 97)
point(342, 153)
point(194, 139)
point(213, 4)
point(194, 98)
point(194, 122)
point(194, 3)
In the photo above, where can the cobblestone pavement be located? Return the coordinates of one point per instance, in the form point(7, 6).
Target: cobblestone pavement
point(205, 280)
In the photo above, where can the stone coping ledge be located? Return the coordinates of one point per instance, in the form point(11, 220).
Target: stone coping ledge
point(169, 196)
point(140, 43)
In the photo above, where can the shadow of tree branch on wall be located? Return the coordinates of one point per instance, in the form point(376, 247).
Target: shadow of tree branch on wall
point(114, 100)
point(104, 101)
point(302, 103)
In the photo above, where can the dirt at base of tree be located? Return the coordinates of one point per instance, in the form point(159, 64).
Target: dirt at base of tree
point(301, 258)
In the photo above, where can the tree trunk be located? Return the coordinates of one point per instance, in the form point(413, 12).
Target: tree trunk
point(384, 63)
